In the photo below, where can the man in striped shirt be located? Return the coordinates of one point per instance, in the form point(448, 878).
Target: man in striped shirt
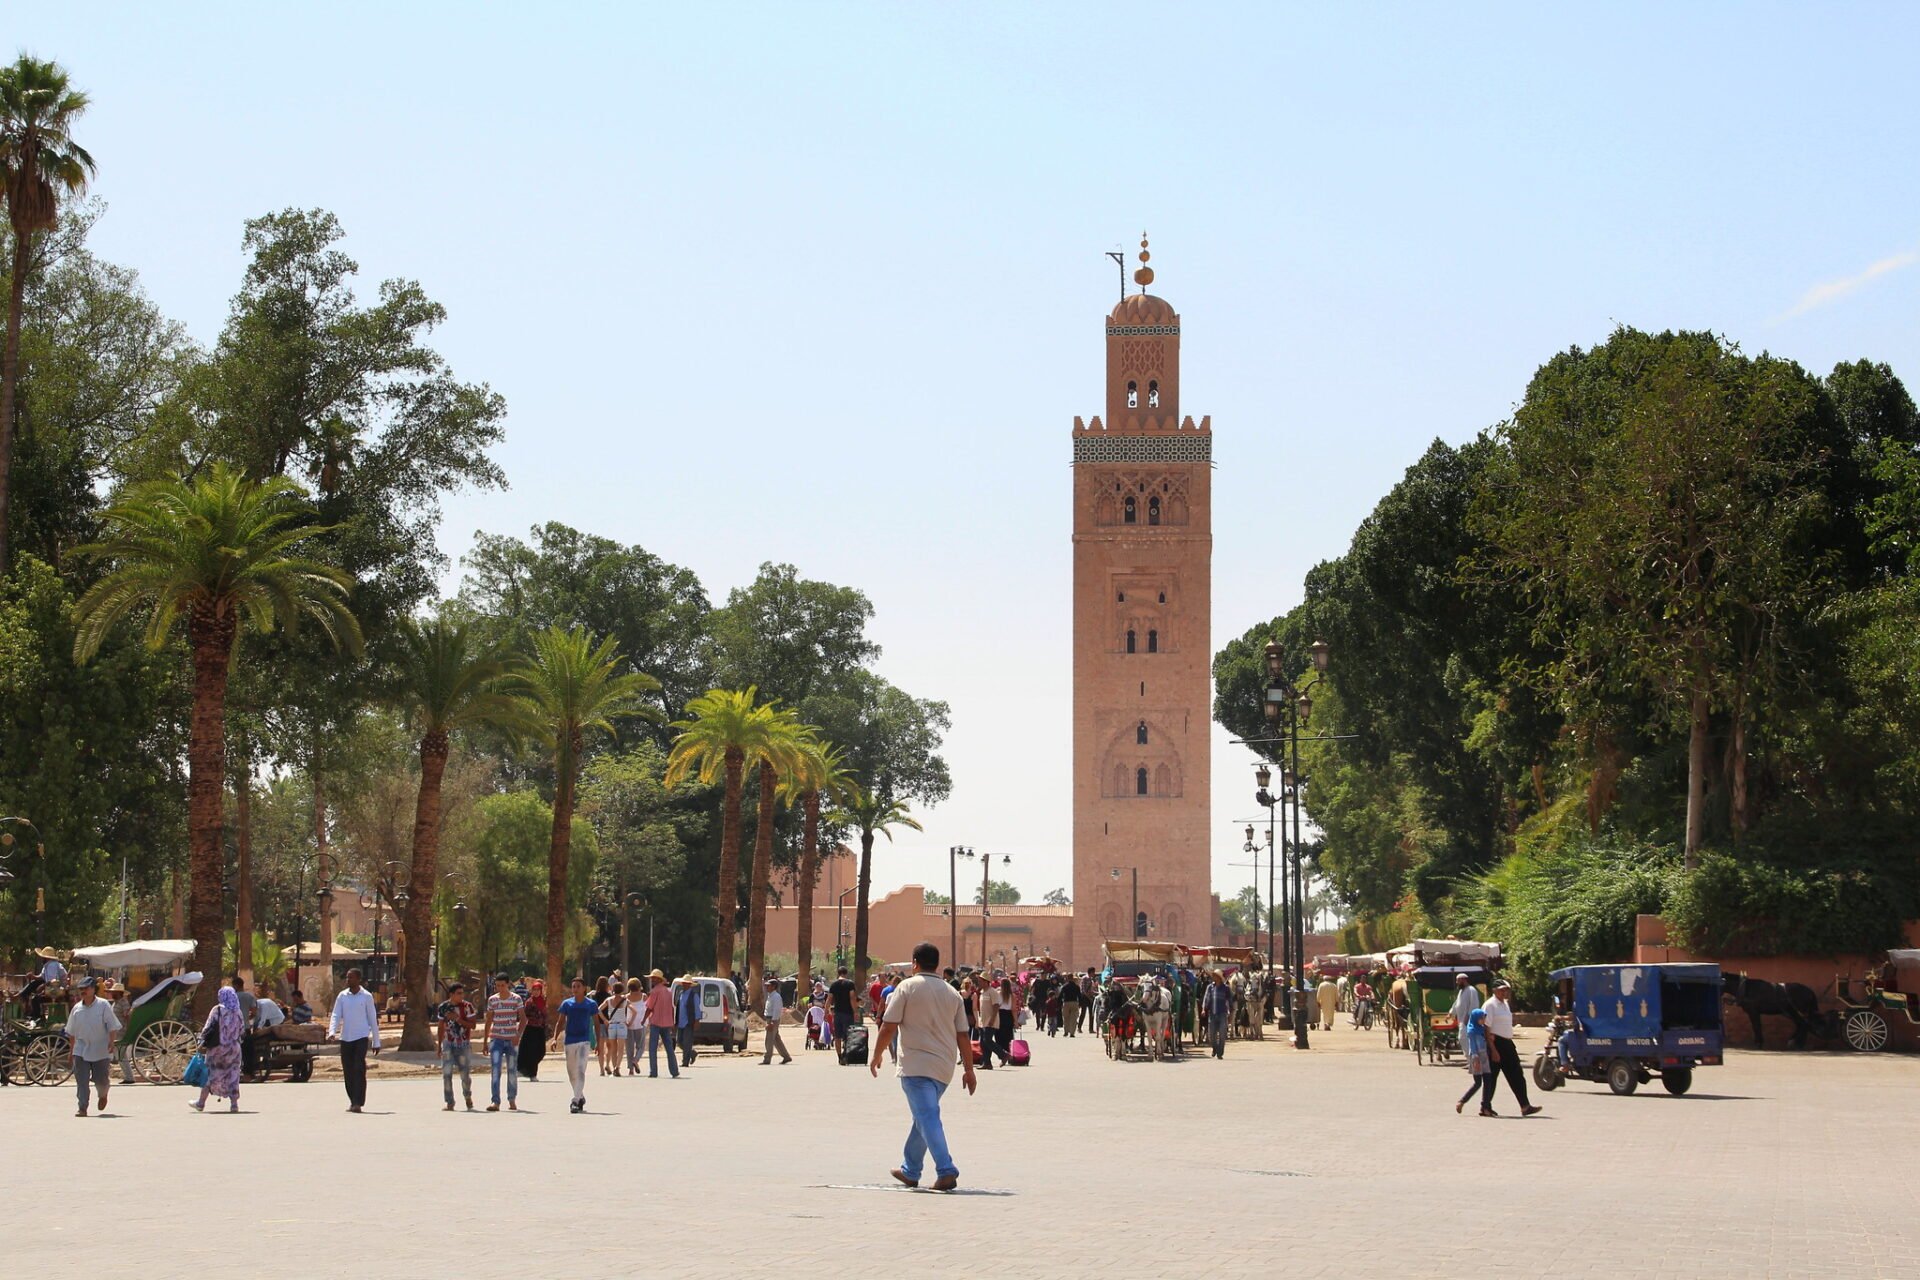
point(506, 1019)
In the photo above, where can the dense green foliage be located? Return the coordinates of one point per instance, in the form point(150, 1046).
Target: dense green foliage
point(1678, 584)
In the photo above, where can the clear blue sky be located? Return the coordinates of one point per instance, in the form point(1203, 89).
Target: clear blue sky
point(824, 284)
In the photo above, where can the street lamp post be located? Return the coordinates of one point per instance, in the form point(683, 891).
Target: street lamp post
point(986, 895)
point(840, 926)
point(1286, 707)
point(954, 854)
point(1264, 795)
point(1135, 916)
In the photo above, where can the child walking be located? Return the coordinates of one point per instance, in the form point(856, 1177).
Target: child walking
point(1479, 1051)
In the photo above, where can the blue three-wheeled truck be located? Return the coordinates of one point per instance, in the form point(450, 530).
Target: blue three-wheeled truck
point(1627, 1024)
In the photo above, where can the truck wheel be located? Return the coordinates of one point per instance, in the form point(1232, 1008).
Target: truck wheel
point(1545, 1074)
point(1677, 1080)
point(1622, 1076)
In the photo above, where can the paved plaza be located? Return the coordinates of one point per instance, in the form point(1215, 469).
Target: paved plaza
point(1347, 1160)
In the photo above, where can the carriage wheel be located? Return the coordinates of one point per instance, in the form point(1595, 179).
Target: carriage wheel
point(1866, 1030)
point(160, 1052)
point(45, 1060)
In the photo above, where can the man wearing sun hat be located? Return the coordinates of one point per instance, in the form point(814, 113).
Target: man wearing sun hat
point(1500, 1037)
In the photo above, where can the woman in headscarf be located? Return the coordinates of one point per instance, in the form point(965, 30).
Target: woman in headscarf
point(224, 1025)
point(533, 1041)
point(1479, 1051)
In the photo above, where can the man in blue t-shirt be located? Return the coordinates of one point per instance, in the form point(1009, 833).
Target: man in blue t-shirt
point(577, 1012)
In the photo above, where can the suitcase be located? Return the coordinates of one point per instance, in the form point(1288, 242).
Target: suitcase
point(1019, 1055)
point(854, 1052)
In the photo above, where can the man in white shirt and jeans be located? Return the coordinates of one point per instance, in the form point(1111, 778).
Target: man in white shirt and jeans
point(930, 1020)
point(355, 1023)
point(774, 1009)
point(90, 1029)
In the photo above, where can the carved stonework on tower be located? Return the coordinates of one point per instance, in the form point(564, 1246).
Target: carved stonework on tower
point(1142, 696)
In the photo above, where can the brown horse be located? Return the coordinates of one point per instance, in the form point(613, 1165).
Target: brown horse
point(1396, 1008)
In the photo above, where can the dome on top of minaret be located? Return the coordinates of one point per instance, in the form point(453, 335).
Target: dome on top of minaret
point(1143, 308)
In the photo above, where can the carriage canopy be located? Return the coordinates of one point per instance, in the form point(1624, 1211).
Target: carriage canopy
point(133, 955)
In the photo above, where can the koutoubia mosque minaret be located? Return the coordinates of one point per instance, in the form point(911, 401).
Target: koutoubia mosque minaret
point(1142, 653)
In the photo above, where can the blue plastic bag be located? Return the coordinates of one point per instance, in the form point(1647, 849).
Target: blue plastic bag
point(196, 1073)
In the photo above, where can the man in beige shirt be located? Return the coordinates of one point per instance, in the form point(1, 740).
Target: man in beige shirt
point(930, 1021)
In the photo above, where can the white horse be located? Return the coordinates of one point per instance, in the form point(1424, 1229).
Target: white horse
point(1154, 1008)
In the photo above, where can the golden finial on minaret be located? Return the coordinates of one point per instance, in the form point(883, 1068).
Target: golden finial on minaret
point(1144, 276)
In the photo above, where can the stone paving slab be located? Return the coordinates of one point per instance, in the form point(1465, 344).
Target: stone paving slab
point(1346, 1160)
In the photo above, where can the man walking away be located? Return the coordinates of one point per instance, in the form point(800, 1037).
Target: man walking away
point(930, 1021)
point(686, 1015)
point(506, 1018)
point(90, 1029)
point(1217, 1005)
point(1328, 995)
point(1070, 1005)
point(660, 1025)
point(840, 996)
point(577, 1011)
point(355, 1023)
point(1500, 1034)
point(249, 1018)
point(1088, 1011)
point(775, 1009)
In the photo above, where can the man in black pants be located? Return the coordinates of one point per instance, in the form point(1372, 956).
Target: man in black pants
point(355, 1023)
point(1500, 1035)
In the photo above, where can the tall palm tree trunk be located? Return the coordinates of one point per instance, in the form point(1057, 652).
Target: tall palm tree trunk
point(243, 869)
point(809, 871)
point(416, 1035)
point(726, 899)
point(559, 852)
point(860, 912)
point(9, 381)
point(210, 638)
point(757, 888)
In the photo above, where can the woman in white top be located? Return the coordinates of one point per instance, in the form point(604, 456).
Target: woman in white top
point(633, 1016)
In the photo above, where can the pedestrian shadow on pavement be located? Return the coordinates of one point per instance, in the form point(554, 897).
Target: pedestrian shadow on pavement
point(895, 1187)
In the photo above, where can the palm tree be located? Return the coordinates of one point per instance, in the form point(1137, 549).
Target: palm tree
point(821, 772)
point(39, 162)
point(446, 680)
point(873, 815)
point(777, 757)
point(216, 551)
point(572, 685)
point(723, 727)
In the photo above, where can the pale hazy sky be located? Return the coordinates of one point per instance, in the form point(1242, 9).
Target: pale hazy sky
point(824, 284)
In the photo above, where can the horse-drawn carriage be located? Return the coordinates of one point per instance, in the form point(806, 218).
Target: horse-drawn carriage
point(1631, 1023)
point(1135, 1013)
point(1865, 1022)
point(1433, 1033)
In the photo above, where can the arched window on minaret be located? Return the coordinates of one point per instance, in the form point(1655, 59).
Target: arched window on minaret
point(1140, 781)
point(1128, 512)
point(1133, 395)
point(1119, 780)
point(1130, 636)
point(1153, 394)
point(1153, 511)
point(1153, 642)
point(1140, 734)
point(1163, 781)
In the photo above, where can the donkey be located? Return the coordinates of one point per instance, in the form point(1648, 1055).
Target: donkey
point(1792, 1000)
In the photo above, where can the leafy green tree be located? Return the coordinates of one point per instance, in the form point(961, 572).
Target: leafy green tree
point(218, 552)
point(791, 637)
point(507, 845)
point(656, 611)
point(91, 754)
point(646, 829)
point(573, 685)
point(1657, 504)
point(871, 814)
point(446, 681)
point(1057, 898)
point(937, 899)
point(40, 164)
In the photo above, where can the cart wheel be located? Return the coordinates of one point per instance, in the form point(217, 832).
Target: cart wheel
point(160, 1052)
point(41, 1061)
point(1545, 1074)
point(1622, 1076)
point(1676, 1080)
point(1866, 1030)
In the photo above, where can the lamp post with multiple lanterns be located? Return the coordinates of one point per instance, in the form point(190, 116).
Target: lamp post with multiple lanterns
point(1287, 705)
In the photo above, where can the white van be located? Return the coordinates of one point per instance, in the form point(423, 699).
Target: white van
point(723, 1020)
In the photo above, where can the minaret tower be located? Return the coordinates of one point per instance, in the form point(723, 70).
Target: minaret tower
point(1142, 652)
